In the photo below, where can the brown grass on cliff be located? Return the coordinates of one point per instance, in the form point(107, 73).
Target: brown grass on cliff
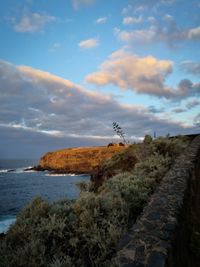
point(78, 160)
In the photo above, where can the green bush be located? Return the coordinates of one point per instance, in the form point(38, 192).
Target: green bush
point(123, 161)
point(85, 232)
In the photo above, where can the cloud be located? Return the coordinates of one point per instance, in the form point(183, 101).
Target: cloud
point(144, 75)
point(179, 110)
point(41, 111)
point(154, 109)
point(138, 36)
point(194, 33)
point(168, 18)
point(101, 20)
point(191, 67)
point(141, 5)
point(192, 104)
point(197, 121)
point(54, 47)
point(32, 22)
point(132, 20)
point(127, 71)
point(78, 3)
point(89, 43)
point(127, 9)
point(169, 33)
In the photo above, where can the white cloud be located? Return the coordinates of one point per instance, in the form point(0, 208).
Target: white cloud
point(32, 22)
point(141, 5)
point(132, 20)
point(89, 43)
point(168, 18)
point(78, 3)
point(139, 36)
point(152, 20)
point(101, 20)
point(127, 9)
point(144, 75)
point(55, 47)
point(193, 33)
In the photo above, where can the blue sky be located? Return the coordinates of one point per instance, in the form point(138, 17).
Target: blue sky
point(69, 68)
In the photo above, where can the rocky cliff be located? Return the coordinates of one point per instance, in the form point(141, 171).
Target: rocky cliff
point(77, 160)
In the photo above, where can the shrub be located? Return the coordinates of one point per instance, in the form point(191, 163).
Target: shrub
point(85, 232)
point(147, 139)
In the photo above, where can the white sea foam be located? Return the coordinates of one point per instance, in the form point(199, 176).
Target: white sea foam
point(60, 174)
point(5, 224)
point(4, 171)
point(17, 170)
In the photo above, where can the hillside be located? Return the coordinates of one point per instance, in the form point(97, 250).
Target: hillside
point(77, 160)
point(87, 231)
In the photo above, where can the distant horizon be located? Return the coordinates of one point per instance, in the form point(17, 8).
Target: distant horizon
point(38, 158)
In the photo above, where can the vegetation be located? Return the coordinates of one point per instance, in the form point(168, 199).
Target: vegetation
point(85, 232)
point(119, 132)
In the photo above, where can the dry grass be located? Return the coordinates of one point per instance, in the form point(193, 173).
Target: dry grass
point(78, 160)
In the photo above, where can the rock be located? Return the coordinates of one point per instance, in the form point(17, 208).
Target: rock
point(35, 168)
point(157, 259)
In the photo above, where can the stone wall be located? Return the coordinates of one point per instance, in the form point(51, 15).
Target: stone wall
point(160, 236)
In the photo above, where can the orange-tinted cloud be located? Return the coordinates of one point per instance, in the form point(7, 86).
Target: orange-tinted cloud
point(146, 75)
point(140, 74)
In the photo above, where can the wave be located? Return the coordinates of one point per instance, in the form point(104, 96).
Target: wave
point(5, 223)
point(18, 170)
point(4, 171)
point(61, 174)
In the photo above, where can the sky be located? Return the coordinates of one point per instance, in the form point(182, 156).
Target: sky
point(70, 68)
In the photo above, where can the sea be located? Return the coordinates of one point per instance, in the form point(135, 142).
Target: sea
point(18, 187)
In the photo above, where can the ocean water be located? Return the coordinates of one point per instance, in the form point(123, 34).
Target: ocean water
point(18, 187)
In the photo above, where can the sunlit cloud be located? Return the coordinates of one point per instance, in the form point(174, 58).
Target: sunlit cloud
point(32, 22)
point(89, 43)
point(146, 75)
point(127, 71)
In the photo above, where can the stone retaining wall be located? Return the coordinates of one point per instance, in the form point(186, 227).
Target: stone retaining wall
point(159, 237)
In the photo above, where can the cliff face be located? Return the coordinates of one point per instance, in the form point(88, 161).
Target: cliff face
point(77, 160)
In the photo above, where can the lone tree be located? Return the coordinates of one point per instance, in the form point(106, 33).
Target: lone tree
point(119, 132)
